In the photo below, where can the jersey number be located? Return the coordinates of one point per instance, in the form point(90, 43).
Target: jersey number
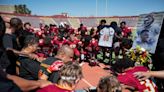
point(150, 86)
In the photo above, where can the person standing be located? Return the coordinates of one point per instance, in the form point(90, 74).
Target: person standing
point(101, 26)
point(106, 39)
point(126, 31)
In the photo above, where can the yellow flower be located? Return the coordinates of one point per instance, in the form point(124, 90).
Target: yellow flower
point(139, 55)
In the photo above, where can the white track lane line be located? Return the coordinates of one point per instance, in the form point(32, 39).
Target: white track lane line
point(87, 83)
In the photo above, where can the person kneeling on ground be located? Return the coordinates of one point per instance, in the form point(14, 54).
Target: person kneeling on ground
point(51, 66)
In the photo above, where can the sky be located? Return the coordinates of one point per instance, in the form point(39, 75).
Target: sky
point(88, 7)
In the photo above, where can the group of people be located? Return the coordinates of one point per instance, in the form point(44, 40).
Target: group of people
point(47, 60)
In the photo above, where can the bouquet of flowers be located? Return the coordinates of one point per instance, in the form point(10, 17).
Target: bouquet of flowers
point(140, 56)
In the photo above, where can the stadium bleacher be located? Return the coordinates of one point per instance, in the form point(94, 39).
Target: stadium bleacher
point(131, 21)
point(73, 21)
point(89, 22)
point(108, 19)
point(35, 21)
point(48, 20)
point(5, 15)
point(7, 8)
point(59, 20)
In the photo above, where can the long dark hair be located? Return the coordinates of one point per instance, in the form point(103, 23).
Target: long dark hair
point(121, 64)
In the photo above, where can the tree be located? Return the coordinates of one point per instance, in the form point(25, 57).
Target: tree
point(22, 9)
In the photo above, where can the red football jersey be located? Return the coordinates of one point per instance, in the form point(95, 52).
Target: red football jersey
point(93, 43)
point(53, 88)
point(125, 31)
point(74, 42)
point(128, 78)
point(57, 42)
point(73, 45)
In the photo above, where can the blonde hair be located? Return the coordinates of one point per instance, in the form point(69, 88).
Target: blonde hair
point(109, 84)
point(70, 73)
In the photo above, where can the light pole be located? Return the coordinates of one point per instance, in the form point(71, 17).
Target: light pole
point(106, 7)
point(96, 8)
